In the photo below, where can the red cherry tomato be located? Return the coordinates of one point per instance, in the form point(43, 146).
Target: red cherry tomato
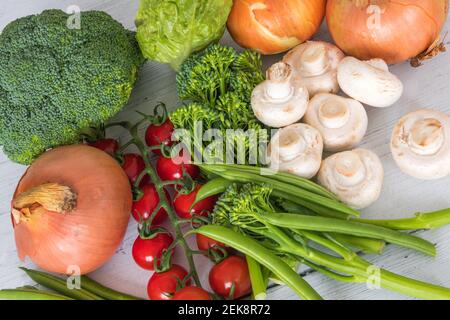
point(162, 286)
point(172, 168)
point(145, 251)
point(191, 293)
point(109, 146)
point(133, 165)
point(230, 271)
point(143, 208)
point(204, 243)
point(182, 204)
point(157, 135)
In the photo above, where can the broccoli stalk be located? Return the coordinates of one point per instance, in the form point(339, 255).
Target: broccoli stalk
point(56, 81)
point(248, 209)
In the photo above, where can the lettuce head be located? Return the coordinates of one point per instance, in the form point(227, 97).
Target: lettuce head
point(168, 31)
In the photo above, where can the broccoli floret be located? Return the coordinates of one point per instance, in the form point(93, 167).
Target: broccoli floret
point(189, 116)
point(206, 75)
point(56, 81)
point(247, 74)
point(220, 81)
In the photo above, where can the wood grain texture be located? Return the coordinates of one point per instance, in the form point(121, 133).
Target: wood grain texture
point(426, 87)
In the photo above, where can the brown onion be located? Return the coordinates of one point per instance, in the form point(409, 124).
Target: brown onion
point(394, 31)
point(273, 26)
point(70, 209)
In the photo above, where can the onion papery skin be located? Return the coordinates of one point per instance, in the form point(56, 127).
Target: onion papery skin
point(406, 28)
point(86, 237)
point(274, 26)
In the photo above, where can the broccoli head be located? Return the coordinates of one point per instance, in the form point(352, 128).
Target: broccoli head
point(55, 81)
point(207, 75)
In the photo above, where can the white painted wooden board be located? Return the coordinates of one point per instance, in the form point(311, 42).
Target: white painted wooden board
point(426, 87)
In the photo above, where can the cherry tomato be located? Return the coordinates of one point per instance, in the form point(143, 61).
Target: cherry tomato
point(145, 251)
point(109, 146)
point(230, 271)
point(133, 165)
point(172, 168)
point(157, 135)
point(162, 286)
point(204, 243)
point(191, 293)
point(182, 204)
point(143, 208)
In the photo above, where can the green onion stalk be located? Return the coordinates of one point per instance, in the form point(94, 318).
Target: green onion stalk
point(249, 211)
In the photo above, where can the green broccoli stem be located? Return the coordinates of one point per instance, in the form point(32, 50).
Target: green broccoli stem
point(315, 223)
point(309, 199)
point(159, 186)
point(367, 245)
point(430, 220)
point(357, 269)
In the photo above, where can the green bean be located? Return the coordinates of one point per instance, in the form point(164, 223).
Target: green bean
point(96, 288)
point(60, 285)
point(309, 197)
point(259, 283)
point(211, 188)
point(430, 220)
point(265, 257)
point(30, 294)
point(314, 223)
point(279, 176)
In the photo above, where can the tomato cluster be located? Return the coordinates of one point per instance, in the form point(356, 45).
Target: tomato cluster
point(229, 278)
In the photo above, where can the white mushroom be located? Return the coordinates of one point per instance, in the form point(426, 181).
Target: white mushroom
point(420, 144)
point(296, 149)
point(315, 66)
point(279, 101)
point(356, 177)
point(369, 82)
point(342, 122)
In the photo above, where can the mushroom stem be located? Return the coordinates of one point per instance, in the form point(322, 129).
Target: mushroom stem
point(51, 196)
point(426, 136)
point(378, 63)
point(350, 170)
point(333, 113)
point(314, 60)
point(279, 86)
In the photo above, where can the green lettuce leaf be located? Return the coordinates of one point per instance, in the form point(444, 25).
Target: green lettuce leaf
point(168, 31)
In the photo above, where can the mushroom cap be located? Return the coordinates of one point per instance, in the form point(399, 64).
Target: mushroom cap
point(369, 82)
point(342, 122)
point(315, 66)
point(420, 144)
point(355, 177)
point(296, 149)
point(279, 101)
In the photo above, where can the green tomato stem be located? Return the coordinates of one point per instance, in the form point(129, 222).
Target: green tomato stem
point(159, 186)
